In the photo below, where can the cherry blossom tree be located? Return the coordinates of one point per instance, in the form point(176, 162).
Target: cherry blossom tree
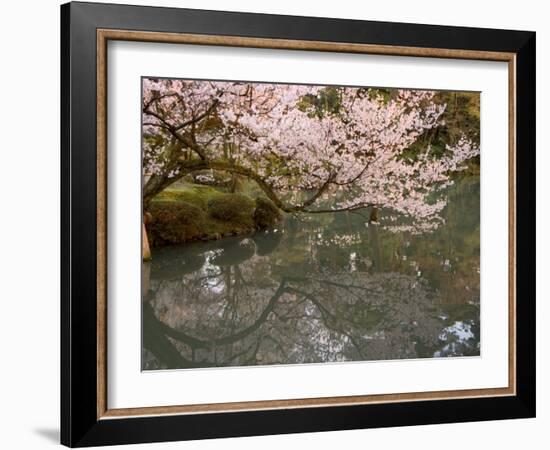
point(342, 159)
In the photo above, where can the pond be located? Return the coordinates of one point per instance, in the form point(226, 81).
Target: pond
point(321, 288)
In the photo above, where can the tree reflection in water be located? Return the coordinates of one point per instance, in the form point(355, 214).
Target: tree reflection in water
point(328, 289)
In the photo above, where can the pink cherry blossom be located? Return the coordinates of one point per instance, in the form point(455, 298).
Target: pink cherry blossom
point(345, 160)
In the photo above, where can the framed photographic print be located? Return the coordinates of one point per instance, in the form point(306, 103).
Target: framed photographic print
point(276, 224)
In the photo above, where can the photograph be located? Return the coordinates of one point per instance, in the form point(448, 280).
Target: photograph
point(296, 224)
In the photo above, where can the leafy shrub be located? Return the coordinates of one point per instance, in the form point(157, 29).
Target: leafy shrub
point(266, 213)
point(175, 222)
point(230, 207)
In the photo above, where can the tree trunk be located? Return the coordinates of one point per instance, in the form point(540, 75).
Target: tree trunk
point(373, 215)
point(145, 245)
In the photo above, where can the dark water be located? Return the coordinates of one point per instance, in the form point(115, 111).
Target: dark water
point(320, 289)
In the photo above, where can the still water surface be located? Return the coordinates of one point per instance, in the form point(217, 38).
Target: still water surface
point(324, 288)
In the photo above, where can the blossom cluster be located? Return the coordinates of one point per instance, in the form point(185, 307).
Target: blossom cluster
point(352, 158)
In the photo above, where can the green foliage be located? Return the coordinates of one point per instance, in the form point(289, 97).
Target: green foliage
point(384, 94)
point(195, 212)
point(328, 101)
point(461, 117)
point(266, 213)
point(230, 207)
point(175, 222)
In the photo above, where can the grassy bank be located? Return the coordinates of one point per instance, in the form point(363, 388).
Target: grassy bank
point(193, 212)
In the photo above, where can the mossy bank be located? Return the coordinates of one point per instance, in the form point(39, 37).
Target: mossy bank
point(196, 212)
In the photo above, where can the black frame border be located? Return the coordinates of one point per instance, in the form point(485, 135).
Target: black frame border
point(79, 423)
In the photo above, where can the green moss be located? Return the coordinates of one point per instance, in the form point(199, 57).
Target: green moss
point(195, 194)
point(266, 213)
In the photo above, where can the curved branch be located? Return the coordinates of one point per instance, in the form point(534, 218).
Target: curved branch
point(200, 343)
point(267, 189)
point(186, 141)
